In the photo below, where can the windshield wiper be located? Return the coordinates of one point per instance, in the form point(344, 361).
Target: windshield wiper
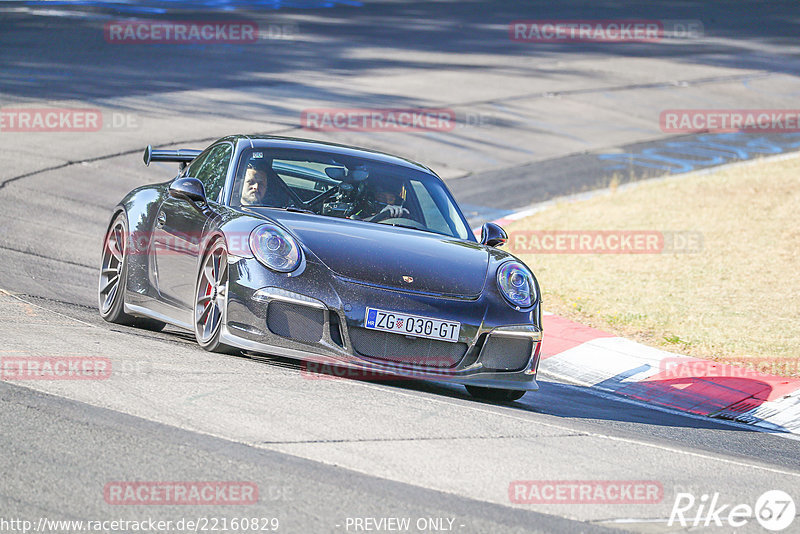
point(293, 209)
point(299, 210)
point(401, 225)
point(430, 231)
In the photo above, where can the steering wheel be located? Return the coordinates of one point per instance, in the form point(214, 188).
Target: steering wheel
point(386, 211)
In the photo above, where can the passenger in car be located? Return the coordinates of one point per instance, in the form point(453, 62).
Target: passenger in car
point(254, 187)
point(259, 189)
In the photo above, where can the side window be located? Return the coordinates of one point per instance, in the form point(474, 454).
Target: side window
point(192, 169)
point(211, 169)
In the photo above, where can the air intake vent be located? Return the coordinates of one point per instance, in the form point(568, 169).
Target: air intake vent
point(506, 353)
point(294, 321)
point(336, 330)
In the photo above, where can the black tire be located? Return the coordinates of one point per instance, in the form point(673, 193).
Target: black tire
point(207, 335)
point(113, 279)
point(495, 394)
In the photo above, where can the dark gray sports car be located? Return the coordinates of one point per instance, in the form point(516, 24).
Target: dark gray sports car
point(325, 253)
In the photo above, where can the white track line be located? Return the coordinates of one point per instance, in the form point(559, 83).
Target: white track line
point(605, 436)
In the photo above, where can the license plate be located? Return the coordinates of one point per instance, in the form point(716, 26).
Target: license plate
point(412, 325)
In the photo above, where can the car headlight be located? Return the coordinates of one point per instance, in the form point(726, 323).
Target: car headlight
point(516, 284)
point(275, 248)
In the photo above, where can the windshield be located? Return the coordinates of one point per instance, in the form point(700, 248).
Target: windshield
point(346, 187)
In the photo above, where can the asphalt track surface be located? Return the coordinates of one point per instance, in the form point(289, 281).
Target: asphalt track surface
point(326, 451)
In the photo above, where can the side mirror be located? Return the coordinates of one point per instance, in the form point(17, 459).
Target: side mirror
point(493, 235)
point(190, 189)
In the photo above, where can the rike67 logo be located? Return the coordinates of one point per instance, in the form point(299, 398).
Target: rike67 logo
point(774, 510)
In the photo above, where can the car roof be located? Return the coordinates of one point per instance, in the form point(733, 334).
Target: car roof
point(274, 141)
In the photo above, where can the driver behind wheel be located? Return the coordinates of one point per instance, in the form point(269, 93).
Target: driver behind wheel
point(388, 204)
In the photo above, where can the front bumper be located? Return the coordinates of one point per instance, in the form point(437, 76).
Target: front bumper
point(275, 314)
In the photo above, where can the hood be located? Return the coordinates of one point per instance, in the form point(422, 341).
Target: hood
point(379, 254)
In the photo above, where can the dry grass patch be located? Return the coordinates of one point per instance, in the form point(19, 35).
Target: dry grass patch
point(737, 298)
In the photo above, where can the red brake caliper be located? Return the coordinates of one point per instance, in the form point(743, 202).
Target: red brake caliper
point(208, 293)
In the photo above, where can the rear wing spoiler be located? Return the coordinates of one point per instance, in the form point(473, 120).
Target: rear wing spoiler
point(183, 155)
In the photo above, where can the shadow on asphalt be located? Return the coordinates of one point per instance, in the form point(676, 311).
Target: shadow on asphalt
point(329, 43)
point(553, 398)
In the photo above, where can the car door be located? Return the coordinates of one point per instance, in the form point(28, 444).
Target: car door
point(179, 229)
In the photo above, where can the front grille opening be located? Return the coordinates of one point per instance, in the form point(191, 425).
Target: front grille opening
point(295, 321)
point(398, 348)
point(336, 329)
